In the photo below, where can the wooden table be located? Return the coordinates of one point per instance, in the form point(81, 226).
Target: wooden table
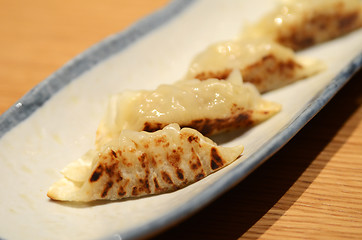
point(311, 189)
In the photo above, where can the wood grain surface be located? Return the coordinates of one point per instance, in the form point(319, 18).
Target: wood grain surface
point(311, 189)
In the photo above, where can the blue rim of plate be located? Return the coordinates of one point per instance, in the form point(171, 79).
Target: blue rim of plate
point(114, 44)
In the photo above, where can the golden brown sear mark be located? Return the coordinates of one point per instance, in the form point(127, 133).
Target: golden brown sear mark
point(121, 191)
point(151, 127)
point(142, 159)
point(319, 28)
point(216, 160)
point(166, 177)
point(207, 126)
point(157, 185)
point(193, 138)
point(114, 154)
point(269, 65)
point(347, 21)
point(194, 162)
point(96, 174)
point(108, 186)
point(111, 168)
point(180, 174)
point(134, 191)
point(144, 185)
point(174, 158)
point(199, 176)
point(264, 74)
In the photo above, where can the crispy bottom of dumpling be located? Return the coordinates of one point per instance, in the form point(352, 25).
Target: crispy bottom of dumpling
point(209, 106)
point(262, 62)
point(141, 163)
point(269, 72)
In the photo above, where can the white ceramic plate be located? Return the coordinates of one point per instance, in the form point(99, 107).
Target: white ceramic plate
point(55, 122)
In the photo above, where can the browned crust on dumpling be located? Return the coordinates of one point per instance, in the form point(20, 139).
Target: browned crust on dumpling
point(319, 27)
point(267, 74)
point(271, 73)
point(152, 178)
point(239, 118)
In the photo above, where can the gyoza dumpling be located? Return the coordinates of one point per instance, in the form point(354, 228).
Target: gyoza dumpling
point(209, 106)
point(302, 23)
point(262, 62)
point(143, 163)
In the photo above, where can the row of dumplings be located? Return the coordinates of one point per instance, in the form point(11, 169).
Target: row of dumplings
point(154, 141)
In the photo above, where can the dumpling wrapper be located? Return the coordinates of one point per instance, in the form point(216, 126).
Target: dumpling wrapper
point(211, 106)
point(142, 163)
point(298, 24)
point(261, 61)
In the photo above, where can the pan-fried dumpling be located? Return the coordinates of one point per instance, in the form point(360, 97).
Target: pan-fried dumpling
point(142, 163)
point(209, 106)
point(262, 62)
point(302, 23)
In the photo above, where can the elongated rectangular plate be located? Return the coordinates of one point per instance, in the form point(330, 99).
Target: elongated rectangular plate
point(55, 123)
